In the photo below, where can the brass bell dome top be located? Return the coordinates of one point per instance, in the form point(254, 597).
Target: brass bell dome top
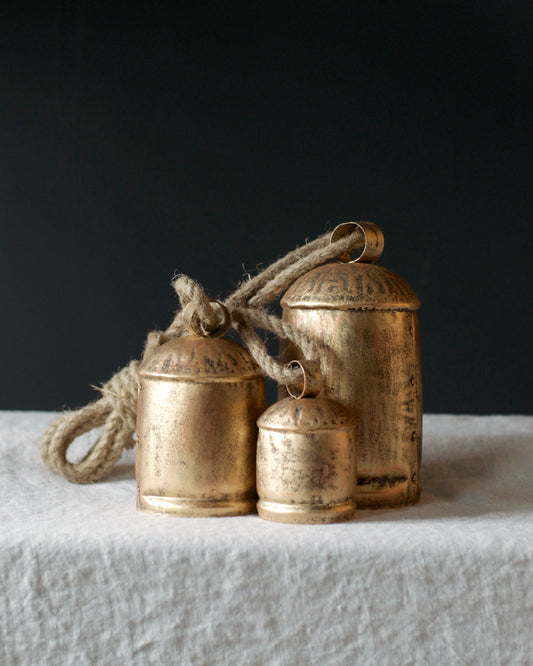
point(200, 359)
point(306, 414)
point(351, 286)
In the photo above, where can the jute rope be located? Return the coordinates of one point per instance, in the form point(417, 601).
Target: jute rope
point(116, 409)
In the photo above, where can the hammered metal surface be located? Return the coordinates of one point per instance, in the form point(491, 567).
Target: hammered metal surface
point(306, 462)
point(364, 320)
point(198, 403)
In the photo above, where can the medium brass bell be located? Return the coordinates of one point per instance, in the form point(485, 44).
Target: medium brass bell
point(199, 398)
point(306, 458)
point(363, 319)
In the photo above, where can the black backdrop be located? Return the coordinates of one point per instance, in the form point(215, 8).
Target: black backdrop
point(140, 139)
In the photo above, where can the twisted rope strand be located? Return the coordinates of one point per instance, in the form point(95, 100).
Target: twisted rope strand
point(116, 409)
point(257, 348)
point(266, 286)
point(248, 288)
point(246, 320)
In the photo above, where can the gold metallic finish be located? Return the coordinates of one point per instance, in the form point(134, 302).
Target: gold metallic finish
point(306, 462)
point(312, 379)
point(363, 319)
point(199, 399)
point(374, 240)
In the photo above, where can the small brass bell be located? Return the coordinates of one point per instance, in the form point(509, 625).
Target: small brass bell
point(199, 398)
point(306, 458)
point(363, 319)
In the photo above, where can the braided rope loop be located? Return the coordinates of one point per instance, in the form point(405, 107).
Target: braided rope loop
point(116, 409)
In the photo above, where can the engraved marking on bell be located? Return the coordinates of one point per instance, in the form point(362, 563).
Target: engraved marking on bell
point(363, 320)
point(196, 417)
point(306, 462)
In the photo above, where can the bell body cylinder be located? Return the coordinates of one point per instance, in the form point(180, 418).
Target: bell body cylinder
point(306, 462)
point(363, 319)
point(198, 402)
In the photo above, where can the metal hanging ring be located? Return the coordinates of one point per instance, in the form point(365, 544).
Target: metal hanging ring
point(312, 380)
point(374, 241)
point(193, 322)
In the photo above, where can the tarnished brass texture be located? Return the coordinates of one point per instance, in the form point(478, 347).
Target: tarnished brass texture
point(364, 320)
point(306, 462)
point(199, 399)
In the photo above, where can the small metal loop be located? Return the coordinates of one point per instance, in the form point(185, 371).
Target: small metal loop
point(193, 323)
point(374, 241)
point(312, 379)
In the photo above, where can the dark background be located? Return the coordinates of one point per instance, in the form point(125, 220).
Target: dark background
point(140, 139)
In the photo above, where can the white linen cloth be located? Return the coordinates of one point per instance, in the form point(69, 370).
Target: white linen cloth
point(86, 579)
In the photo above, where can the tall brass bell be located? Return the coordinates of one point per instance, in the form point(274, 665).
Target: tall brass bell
point(364, 321)
point(306, 459)
point(199, 398)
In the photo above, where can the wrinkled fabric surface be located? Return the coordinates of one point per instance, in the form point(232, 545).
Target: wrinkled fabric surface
point(86, 579)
